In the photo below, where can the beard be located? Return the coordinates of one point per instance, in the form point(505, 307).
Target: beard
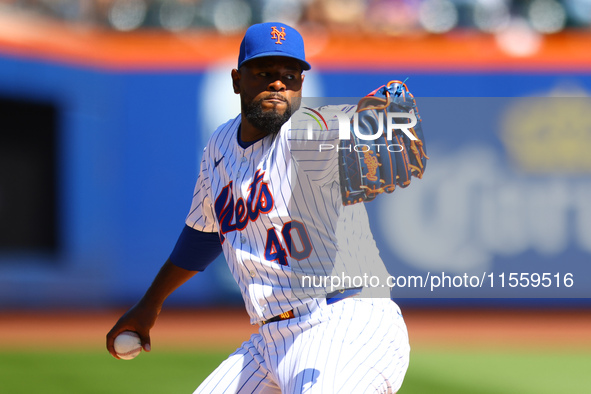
point(268, 122)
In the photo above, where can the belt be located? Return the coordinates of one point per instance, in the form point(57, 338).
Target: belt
point(331, 298)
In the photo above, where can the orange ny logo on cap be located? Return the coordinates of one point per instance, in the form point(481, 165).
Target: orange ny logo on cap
point(278, 35)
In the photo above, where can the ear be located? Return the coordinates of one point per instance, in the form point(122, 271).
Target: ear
point(236, 81)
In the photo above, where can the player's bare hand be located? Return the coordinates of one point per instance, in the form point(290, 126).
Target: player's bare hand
point(140, 319)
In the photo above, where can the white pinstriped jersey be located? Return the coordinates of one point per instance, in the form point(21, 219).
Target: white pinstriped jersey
point(277, 207)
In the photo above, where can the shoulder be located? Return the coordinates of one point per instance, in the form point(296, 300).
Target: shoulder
point(224, 134)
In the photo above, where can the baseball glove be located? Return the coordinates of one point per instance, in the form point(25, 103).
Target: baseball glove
point(370, 163)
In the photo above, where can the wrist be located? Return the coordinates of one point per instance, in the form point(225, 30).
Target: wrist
point(151, 302)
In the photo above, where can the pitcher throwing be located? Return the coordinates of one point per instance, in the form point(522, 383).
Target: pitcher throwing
point(281, 211)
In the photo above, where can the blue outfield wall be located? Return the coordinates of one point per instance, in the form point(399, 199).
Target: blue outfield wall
point(130, 144)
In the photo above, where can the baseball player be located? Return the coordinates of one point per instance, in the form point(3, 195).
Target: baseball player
point(270, 200)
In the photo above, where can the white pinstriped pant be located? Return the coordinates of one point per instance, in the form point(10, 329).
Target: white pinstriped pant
point(352, 346)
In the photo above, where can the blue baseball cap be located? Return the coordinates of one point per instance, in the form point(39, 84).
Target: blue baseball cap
point(272, 39)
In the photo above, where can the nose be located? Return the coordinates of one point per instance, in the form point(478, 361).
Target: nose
point(277, 86)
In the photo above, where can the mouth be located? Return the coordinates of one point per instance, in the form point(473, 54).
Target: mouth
point(275, 99)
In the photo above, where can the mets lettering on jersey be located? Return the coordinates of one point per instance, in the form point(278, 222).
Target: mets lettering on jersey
point(259, 201)
point(232, 217)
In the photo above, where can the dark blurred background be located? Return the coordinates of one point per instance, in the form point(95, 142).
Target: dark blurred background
point(396, 17)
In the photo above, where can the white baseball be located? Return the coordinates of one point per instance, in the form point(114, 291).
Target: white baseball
point(128, 345)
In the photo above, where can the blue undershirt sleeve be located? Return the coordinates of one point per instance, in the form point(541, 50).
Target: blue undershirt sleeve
point(195, 250)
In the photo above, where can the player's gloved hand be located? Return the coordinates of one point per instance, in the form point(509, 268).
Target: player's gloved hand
point(140, 319)
point(370, 163)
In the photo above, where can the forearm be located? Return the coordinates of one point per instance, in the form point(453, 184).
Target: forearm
point(195, 252)
point(169, 278)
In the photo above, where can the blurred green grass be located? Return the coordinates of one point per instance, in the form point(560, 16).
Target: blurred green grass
point(498, 371)
point(439, 371)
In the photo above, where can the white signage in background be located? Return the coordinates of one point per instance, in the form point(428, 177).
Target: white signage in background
point(470, 208)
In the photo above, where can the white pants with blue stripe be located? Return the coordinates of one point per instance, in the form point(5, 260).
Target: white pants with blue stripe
point(352, 346)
